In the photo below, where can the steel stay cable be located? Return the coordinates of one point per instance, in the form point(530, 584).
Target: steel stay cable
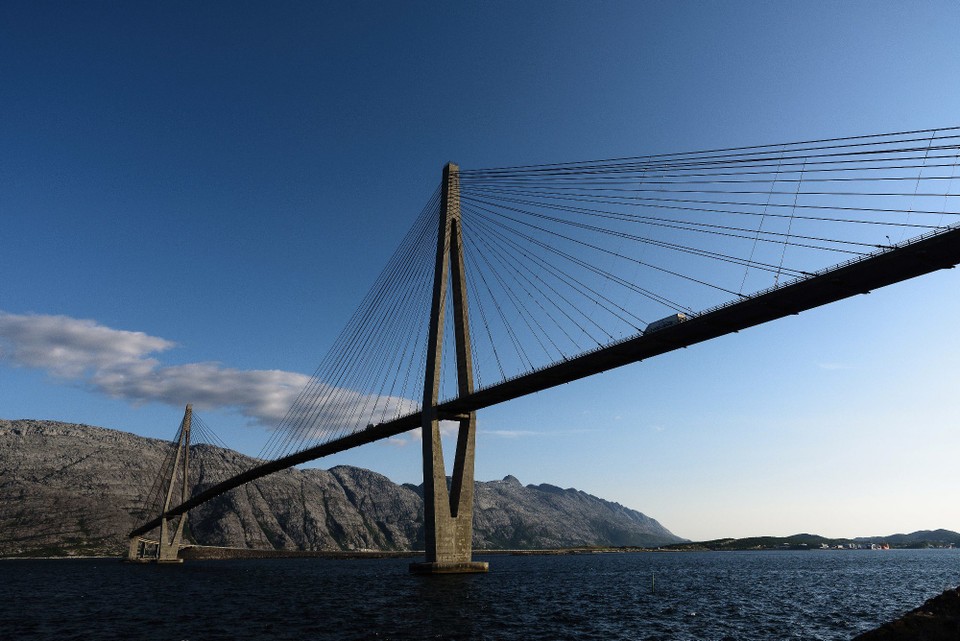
point(571, 339)
point(588, 293)
point(512, 266)
point(619, 182)
point(630, 176)
point(640, 201)
point(403, 334)
point(525, 313)
point(486, 285)
point(683, 225)
point(583, 329)
point(347, 402)
point(419, 332)
point(745, 192)
point(786, 241)
point(329, 393)
point(528, 318)
point(640, 290)
point(579, 285)
point(382, 363)
point(154, 499)
point(607, 251)
point(697, 251)
point(152, 502)
point(710, 155)
point(509, 328)
point(581, 263)
point(476, 296)
point(347, 343)
point(600, 183)
point(408, 351)
point(472, 303)
point(372, 320)
point(918, 179)
point(888, 159)
point(564, 311)
point(756, 239)
point(296, 415)
point(406, 261)
point(546, 335)
point(384, 355)
point(953, 172)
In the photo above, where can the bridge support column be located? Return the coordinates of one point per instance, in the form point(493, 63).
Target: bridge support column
point(135, 550)
point(448, 512)
point(171, 528)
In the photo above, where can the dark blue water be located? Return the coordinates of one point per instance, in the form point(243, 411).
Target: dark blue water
point(729, 595)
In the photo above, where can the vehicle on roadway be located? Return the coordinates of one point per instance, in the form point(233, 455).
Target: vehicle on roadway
point(663, 323)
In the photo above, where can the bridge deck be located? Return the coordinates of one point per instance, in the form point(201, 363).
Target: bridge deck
point(909, 260)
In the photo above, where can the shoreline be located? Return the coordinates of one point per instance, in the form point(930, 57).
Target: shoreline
point(199, 552)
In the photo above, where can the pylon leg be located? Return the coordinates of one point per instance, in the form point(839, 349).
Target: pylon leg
point(448, 514)
point(168, 549)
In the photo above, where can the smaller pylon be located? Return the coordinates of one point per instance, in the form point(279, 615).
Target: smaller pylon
point(168, 547)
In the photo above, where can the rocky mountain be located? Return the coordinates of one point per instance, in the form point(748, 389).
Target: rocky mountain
point(78, 489)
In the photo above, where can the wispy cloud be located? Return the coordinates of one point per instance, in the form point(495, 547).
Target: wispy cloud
point(447, 429)
point(512, 433)
point(834, 366)
point(125, 364)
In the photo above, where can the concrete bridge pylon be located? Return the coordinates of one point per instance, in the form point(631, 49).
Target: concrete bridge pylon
point(448, 513)
point(167, 548)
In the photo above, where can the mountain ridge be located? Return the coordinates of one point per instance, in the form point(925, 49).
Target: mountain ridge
point(73, 489)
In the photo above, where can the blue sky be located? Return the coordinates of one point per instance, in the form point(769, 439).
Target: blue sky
point(222, 182)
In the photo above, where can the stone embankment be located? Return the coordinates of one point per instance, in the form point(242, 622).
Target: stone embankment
point(936, 620)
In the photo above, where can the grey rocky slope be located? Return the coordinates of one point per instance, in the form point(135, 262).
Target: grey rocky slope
point(78, 489)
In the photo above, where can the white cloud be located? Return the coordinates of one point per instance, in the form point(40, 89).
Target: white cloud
point(123, 364)
point(69, 347)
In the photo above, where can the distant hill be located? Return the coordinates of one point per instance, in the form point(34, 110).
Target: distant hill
point(921, 539)
point(77, 490)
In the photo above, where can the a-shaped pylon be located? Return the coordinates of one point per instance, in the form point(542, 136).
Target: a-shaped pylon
point(448, 514)
point(171, 528)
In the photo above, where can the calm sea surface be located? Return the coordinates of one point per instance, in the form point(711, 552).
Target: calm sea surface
point(728, 595)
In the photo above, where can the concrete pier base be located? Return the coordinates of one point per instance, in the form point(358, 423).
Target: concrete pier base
point(468, 567)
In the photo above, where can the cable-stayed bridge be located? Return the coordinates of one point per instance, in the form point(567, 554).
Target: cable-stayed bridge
point(545, 274)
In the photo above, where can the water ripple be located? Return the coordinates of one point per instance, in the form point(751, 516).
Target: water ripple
point(709, 596)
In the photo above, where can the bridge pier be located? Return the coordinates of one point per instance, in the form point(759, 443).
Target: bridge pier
point(135, 550)
point(448, 512)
